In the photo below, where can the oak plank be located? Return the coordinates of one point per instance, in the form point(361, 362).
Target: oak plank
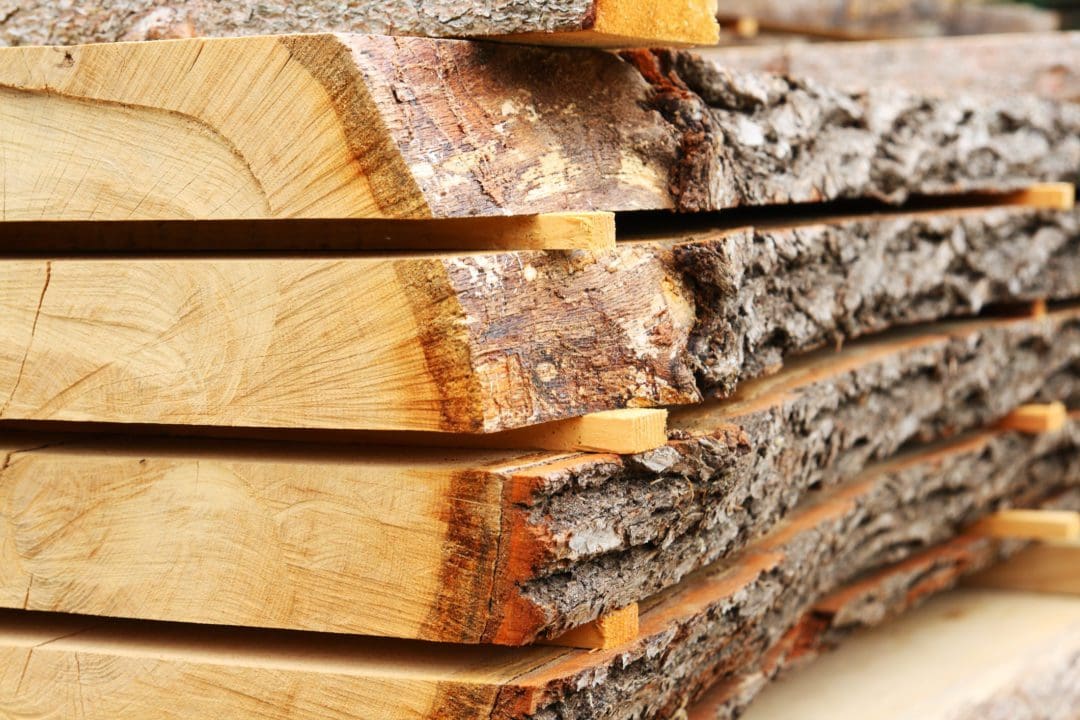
point(1040, 63)
point(553, 22)
point(462, 343)
point(384, 127)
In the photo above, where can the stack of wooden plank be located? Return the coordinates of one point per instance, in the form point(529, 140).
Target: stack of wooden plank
point(361, 375)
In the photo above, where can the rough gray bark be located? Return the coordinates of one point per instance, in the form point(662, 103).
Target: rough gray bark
point(866, 602)
point(1043, 64)
point(765, 295)
point(886, 593)
point(619, 529)
point(39, 22)
point(753, 139)
point(891, 19)
point(886, 517)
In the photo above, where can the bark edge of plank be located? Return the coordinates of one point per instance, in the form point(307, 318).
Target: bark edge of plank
point(608, 631)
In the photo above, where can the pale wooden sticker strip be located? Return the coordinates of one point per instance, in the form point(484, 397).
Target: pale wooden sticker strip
point(638, 23)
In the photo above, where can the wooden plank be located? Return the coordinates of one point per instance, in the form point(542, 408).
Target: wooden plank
point(395, 343)
point(1049, 567)
point(594, 232)
point(463, 343)
point(377, 543)
point(1037, 417)
point(555, 22)
point(991, 65)
point(1030, 525)
point(341, 535)
point(384, 127)
point(900, 18)
point(606, 632)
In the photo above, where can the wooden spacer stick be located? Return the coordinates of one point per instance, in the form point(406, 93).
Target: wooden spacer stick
point(1046, 196)
point(1042, 568)
point(745, 27)
point(604, 633)
point(627, 431)
point(1036, 418)
point(1030, 525)
point(637, 23)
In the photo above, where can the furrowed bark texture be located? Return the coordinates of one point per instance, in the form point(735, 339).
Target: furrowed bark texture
point(1042, 64)
point(891, 19)
point(885, 594)
point(867, 602)
point(444, 128)
point(764, 295)
point(611, 530)
point(755, 139)
point(1064, 386)
point(879, 520)
point(34, 22)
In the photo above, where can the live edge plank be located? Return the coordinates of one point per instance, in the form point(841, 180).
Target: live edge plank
point(438, 343)
point(346, 126)
point(553, 22)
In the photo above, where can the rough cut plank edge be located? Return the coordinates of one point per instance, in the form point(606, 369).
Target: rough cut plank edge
point(1051, 567)
point(1061, 525)
point(1037, 417)
point(413, 128)
point(1043, 64)
point(606, 632)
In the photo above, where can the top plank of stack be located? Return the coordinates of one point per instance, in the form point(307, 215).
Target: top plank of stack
point(362, 126)
point(596, 23)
